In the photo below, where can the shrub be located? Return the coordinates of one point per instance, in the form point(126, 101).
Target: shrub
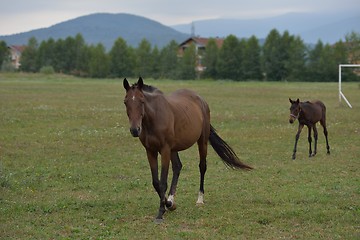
point(47, 70)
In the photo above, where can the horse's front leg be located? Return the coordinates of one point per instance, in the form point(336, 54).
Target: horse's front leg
point(152, 158)
point(297, 139)
point(165, 162)
point(176, 167)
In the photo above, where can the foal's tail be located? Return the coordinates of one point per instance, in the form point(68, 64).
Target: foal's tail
point(225, 152)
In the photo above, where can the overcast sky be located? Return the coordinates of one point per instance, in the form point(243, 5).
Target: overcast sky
point(25, 15)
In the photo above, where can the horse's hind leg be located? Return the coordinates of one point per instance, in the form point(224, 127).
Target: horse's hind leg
point(316, 139)
point(176, 167)
point(323, 124)
point(310, 140)
point(202, 145)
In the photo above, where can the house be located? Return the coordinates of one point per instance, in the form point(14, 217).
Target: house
point(200, 45)
point(15, 55)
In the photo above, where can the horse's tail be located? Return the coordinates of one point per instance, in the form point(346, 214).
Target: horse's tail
point(225, 152)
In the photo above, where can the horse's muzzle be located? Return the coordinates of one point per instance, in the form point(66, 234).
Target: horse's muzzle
point(292, 118)
point(135, 132)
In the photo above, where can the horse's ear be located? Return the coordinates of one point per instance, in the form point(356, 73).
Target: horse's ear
point(126, 84)
point(140, 83)
point(297, 101)
point(291, 101)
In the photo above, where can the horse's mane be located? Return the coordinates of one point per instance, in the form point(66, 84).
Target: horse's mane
point(148, 88)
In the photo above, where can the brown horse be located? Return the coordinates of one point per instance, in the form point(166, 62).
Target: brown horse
point(166, 125)
point(309, 113)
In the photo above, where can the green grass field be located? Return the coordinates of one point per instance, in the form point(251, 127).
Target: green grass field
point(69, 168)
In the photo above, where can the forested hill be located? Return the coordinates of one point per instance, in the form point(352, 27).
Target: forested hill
point(104, 28)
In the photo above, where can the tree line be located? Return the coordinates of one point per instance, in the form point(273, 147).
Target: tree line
point(281, 57)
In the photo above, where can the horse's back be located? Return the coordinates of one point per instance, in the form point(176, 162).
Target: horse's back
point(321, 107)
point(315, 109)
point(188, 99)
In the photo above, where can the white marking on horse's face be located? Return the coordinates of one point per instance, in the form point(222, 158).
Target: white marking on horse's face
point(133, 98)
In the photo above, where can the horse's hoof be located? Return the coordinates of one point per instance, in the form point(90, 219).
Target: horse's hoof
point(200, 200)
point(293, 157)
point(172, 207)
point(158, 220)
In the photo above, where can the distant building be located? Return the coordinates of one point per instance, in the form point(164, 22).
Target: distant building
point(15, 55)
point(200, 45)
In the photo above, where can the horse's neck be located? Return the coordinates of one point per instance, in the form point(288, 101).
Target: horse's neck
point(153, 105)
point(306, 111)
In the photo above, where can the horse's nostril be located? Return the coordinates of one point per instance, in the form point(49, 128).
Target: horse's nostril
point(134, 132)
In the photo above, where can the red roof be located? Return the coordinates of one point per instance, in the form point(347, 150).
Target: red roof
point(203, 41)
point(18, 48)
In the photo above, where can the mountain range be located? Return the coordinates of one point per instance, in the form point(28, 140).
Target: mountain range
point(105, 28)
point(328, 28)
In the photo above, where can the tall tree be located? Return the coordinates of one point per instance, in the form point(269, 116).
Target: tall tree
point(99, 64)
point(342, 55)
point(169, 60)
point(314, 62)
point(78, 52)
point(69, 53)
point(296, 59)
point(327, 65)
point(83, 62)
point(4, 52)
point(156, 65)
point(187, 63)
point(352, 43)
point(228, 62)
point(46, 53)
point(28, 56)
point(122, 61)
point(143, 59)
point(252, 60)
point(210, 59)
point(60, 58)
point(272, 53)
point(324, 60)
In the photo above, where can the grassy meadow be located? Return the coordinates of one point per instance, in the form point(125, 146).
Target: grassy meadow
point(69, 168)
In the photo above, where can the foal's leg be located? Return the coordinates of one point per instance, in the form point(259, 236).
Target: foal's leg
point(297, 139)
point(202, 145)
point(323, 124)
point(176, 167)
point(309, 140)
point(316, 139)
